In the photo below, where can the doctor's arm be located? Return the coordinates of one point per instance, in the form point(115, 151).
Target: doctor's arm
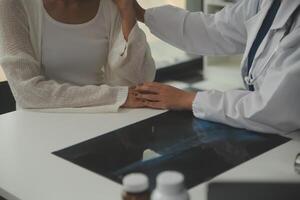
point(273, 108)
point(199, 33)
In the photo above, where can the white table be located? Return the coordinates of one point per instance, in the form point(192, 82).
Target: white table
point(2, 76)
point(28, 170)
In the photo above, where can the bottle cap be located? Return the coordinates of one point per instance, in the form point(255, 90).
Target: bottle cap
point(135, 183)
point(170, 182)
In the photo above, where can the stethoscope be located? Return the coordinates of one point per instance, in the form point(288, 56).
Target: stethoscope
point(250, 79)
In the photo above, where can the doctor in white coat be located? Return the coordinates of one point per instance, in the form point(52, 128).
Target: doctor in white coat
point(267, 32)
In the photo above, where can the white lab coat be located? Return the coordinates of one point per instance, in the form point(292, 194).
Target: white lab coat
point(274, 106)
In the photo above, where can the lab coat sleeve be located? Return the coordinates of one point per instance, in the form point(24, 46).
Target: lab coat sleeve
point(274, 108)
point(223, 33)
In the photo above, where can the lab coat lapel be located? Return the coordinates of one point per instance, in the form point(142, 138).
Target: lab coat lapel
point(284, 13)
point(253, 25)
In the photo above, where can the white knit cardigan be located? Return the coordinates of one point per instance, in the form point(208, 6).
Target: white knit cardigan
point(129, 63)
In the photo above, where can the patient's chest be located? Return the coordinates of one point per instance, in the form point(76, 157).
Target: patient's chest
point(75, 53)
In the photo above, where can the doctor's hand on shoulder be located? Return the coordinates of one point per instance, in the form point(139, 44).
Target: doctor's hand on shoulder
point(160, 96)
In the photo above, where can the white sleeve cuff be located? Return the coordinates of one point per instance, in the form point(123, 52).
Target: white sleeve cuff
point(199, 105)
point(121, 97)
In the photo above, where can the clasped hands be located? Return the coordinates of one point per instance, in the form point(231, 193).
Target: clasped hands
point(159, 96)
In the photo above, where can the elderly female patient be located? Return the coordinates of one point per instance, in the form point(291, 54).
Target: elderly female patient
point(73, 53)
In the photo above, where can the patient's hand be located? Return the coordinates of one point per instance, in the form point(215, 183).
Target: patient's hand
point(132, 100)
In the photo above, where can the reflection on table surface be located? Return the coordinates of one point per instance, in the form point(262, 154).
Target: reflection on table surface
point(177, 141)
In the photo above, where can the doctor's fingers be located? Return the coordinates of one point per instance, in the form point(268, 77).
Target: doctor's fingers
point(156, 105)
point(149, 88)
point(149, 97)
point(133, 102)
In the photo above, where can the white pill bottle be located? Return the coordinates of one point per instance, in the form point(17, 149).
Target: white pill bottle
point(170, 186)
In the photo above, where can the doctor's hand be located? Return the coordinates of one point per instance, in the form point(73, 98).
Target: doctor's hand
point(132, 100)
point(160, 96)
